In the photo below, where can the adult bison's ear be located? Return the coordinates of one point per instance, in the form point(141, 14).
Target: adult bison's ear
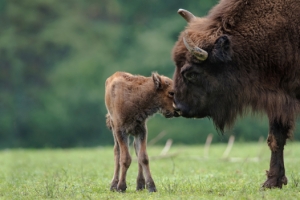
point(157, 80)
point(222, 51)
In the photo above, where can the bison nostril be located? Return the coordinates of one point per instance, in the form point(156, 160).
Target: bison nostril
point(174, 106)
point(177, 111)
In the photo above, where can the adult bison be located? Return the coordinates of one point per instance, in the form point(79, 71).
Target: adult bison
point(243, 54)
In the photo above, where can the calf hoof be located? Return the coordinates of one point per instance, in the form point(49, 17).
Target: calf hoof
point(140, 184)
point(151, 187)
point(113, 186)
point(275, 182)
point(121, 187)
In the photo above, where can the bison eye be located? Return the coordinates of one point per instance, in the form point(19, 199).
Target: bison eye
point(190, 76)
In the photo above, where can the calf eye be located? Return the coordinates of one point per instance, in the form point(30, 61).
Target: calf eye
point(171, 94)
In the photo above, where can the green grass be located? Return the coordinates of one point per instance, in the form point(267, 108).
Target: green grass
point(86, 174)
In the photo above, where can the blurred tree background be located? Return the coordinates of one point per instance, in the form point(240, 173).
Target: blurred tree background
point(56, 55)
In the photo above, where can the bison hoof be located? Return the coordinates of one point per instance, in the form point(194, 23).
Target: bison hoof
point(275, 182)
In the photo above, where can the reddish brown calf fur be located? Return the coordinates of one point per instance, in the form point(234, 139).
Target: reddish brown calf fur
point(130, 100)
point(244, 55)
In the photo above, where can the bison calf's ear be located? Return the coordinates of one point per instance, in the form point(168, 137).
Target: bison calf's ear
point(222, 51)
point(156, 80)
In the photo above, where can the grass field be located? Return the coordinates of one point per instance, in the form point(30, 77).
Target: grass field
point(86, 173)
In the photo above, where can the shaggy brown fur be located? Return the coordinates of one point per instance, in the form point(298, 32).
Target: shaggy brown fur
point(130, 100)
point(253, 61)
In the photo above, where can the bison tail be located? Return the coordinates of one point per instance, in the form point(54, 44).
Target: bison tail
point(108, 122)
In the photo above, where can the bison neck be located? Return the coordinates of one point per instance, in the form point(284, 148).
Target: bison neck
point(254, 95)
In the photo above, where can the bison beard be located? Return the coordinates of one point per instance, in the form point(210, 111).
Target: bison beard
point(243, 56)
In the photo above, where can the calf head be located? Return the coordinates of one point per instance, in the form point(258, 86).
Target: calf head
point(164, 95)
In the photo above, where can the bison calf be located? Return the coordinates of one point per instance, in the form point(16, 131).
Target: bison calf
point(130, 100)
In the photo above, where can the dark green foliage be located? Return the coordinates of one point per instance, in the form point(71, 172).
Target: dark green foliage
point(55, 56)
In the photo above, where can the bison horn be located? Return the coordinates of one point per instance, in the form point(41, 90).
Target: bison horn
point(199, 53)
point(186, 15)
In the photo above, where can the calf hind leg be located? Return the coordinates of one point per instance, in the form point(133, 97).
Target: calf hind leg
point(115, 179)
point(276, 141)
point(124, 160)
point(140, 181)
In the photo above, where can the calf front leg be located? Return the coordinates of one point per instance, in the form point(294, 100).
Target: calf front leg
point(124, 160)
point(141, 144)
point(276, 141)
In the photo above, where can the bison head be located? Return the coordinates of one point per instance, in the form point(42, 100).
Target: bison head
point(202, 79)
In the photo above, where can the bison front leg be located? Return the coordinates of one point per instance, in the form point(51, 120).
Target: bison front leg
point(124, 160)
point(141, 146)
point(276, 141)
